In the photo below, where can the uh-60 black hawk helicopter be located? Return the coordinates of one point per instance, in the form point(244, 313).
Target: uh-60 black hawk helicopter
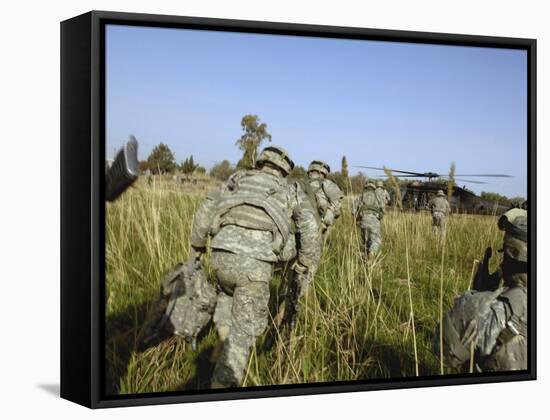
point(416, 195)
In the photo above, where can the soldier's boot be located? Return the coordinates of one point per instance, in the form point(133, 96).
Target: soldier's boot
point(231, 365)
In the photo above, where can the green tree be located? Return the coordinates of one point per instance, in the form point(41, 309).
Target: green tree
point(222, 170)
point(143, 165)
point(358, 183)
point(254, 133)
point(188, 166)
point(494, 197)
point(161, 159)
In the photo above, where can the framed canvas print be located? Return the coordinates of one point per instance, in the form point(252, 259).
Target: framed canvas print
point(254, 209)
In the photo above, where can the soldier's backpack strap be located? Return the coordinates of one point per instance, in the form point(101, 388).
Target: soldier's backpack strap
point(310, 193)
point(515, 300)
point(278, 217)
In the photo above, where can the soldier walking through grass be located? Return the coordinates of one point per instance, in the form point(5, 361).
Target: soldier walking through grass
point(382, 194)
point(328, 195)
point(250, 224)
point(369, 211)
point(440, 208)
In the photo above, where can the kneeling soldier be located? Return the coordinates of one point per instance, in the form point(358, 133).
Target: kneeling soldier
point(488, 325)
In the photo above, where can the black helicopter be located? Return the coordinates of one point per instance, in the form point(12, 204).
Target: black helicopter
point(415, 195)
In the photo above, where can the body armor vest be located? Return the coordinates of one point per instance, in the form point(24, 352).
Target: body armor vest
point(256, 200)
point(369, 202)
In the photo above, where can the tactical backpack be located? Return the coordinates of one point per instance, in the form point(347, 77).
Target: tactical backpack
point(502, 344)
point(185, 306)
point(370, 203)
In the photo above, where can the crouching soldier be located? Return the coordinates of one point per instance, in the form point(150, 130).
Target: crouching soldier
point(487, 326)
point(250, 224)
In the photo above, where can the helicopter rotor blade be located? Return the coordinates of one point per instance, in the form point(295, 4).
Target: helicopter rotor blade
point(470, 181)
point(466, 180)
point(488, 175)
point(391, 170)
point(410, 176)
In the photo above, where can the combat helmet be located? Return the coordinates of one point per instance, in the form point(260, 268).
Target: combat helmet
point(379, 184)
point(370, 186)
point(524, 205)
point(514, 262)
point(514, 225)
point(440, 193)
point(278, 157)
point(319, 166)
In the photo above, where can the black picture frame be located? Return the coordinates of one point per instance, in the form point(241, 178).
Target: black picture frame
point(83, 211)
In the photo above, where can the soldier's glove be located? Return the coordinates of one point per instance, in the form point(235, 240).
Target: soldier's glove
point(299, 268)
point(483, 280)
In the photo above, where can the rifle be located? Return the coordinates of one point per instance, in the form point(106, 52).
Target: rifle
point(287, 314)
point(123, 172)
point(483, 280)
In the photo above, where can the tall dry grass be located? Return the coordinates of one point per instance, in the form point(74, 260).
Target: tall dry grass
point(358, 321)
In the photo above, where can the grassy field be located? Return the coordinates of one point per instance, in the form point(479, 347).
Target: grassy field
point(358, 321)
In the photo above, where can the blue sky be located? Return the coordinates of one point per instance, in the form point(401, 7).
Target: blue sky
point(407, 106)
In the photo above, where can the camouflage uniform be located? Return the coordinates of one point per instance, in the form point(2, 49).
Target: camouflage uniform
point(328, 195)
point(382, 194)
point(370, 211)
point(490, 326)
point(440, 209)
point(251, 222)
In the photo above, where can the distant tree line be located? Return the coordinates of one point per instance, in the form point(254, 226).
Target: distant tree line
point(502, 199)
point(162, 160)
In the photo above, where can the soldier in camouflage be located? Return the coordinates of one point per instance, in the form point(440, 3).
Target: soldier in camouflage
point(251, 222)
point(440, 208)
point(487, 327)
point(382, 194)
point(328, 195)
point(369, 211)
